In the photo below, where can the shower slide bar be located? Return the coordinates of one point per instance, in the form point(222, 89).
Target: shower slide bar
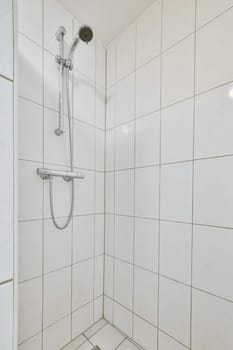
point(45, 174)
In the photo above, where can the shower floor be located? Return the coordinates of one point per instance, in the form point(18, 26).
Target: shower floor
point(105, 336)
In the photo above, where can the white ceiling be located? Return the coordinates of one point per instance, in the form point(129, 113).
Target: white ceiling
point(106, 17)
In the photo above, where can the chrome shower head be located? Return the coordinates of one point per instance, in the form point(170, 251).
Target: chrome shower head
point(85, 34)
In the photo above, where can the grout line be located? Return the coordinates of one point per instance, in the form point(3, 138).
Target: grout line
point(6, 282)
point(193, 174)
point(43, 185)
point(160, 176)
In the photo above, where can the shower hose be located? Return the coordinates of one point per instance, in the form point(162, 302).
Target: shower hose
point(62, 227)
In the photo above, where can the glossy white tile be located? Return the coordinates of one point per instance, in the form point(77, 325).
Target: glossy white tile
point(178, 72)
point(174, 310)
point(175, 28)
point(214, 53)
point(148, 88)
point(176, 192)
point(147, 192)
point(176, 251)
point(148, 140)
point(177, 132)
point(6, 316)
point(217, 315)
point(149, 34)
point(30, 21)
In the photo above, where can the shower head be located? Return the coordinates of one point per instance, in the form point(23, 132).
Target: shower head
point(85, 34)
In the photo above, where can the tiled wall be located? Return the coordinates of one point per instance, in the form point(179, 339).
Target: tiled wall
point(60, 272)
point(7, 275)
point(169, 171)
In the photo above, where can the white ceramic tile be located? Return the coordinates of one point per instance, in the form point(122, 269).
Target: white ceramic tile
point(100, 64)
point(207, 10)
point(110, 150)
point(125, 52)
point(175, 251)
point(124, 192)
point(147, 192)
point(95, 328)
point(6, 185)
point(177, 132)
point(57, 335)
point(83, 238)
point(111, 64)
point(178, 20)
point(100, 108)
point(29, 249)
point(99, 275)
point(84, 195)
point(54, 17)
point(176, 192)
point(108, 309)
point(212, 320)
point(57, 294)
point(125, 100)
point(108, 338)
point(56, 149)
point(149, 34)
point(125, 146)
point(127, 345)
point(146, 294)
point(86, 346)
point(6, 316)
point(6, 39)
point(61, 195)
point(108, 280)
point(148, 140)
point(33, 343)
point(99, 192)
point(30, 191)
point(146, 243)
point(212, 260)
point(123, 277)
point(84, 145)
point(214, 54)
point(168, 343)
point(99, 234)
point(213, 123)
point(82, 283)
point(84, 56)
point(109, 192)
point(145, 334)
point(100, 149)
point(76, 343)
point(82, 319)
point(51, 82)
point(124, 237)
point(178, 72)
point(29, 15)
point(148, 88)
point(174, 310)
point(110, 108)
point(84, 98)
point(30, 130)
point(30, 309)
point(213, 192)
point(109, 233)
point(29, 69)
point(57, 246)
point(123, 319)
point(98, 308)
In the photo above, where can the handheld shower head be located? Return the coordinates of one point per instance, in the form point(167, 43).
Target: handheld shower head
point(85, 34)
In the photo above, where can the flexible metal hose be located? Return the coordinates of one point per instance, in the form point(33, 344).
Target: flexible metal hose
point(62, 227)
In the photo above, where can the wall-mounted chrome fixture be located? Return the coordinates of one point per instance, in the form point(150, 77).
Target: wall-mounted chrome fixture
point(65, 66)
